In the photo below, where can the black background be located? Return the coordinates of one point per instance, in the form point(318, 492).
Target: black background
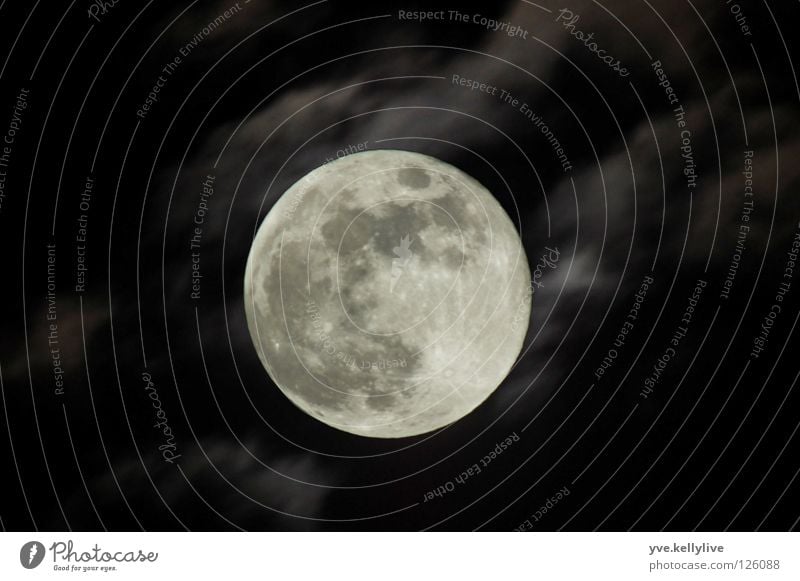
point(274, 92)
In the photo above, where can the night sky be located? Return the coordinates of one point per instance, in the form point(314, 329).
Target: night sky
point(653, 144)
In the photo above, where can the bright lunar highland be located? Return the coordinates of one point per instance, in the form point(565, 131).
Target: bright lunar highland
point(387, 293)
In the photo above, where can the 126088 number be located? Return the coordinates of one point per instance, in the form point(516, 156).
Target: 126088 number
point(760, 563)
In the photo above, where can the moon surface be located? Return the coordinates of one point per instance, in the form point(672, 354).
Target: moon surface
point(387, 293)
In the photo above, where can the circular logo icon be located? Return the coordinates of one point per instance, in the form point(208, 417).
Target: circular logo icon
point(31, 554)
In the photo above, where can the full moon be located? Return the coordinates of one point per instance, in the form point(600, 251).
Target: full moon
point(387, 293)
